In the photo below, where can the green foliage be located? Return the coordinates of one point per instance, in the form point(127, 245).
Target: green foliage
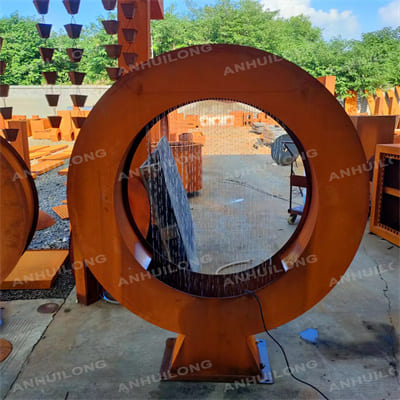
point(173, 32)
point(368, 64)
point(20, 50)
point(24, 64)
point(363, 65)
point(95, 59)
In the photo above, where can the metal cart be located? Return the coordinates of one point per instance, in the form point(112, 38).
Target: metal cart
point(284, 152)
point(296, 181)
point(299, 182)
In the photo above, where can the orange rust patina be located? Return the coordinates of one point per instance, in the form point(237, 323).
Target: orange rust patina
point(104, 222)
point(19, 208)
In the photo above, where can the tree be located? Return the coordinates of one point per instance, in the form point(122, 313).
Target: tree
point(95, 59)
point(173, 32)
point(373, 62)
point(20, 50)
point(24, 64)
point(361, 65)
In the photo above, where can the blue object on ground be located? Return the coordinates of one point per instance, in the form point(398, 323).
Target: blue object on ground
point(310, 335)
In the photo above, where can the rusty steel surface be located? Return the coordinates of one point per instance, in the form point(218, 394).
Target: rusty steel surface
point(188, 159)
point(374, 130)
point(324, 243)
point(141, 23)
point(21, 144)
point(384, 219)
point(44, 221)
point(18, 208)
point(5, 349)
point(157, 9)
point(36, 269)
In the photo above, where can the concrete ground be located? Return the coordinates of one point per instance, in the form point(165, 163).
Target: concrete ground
point(105, 352)
point(242, 211)
point(94, 352)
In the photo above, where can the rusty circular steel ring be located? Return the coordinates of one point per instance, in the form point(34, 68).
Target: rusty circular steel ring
point(19, 208)
point(338, 211)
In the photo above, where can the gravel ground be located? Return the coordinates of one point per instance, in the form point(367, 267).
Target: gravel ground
point(52, 192)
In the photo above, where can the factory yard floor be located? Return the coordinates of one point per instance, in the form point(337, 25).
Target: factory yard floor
point(105, 352)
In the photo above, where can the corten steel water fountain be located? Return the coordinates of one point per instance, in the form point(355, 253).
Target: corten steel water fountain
point(19, 208)
point(215, 322)
point(19, 215)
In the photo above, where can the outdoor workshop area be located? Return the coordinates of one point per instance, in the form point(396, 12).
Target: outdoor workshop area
point(193, 206)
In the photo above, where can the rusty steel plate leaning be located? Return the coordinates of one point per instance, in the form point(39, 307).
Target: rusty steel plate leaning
point(18, 208)
point(326, 240)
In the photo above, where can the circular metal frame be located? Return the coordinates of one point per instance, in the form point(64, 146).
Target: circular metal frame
point(19, 208)
point(323, 248)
